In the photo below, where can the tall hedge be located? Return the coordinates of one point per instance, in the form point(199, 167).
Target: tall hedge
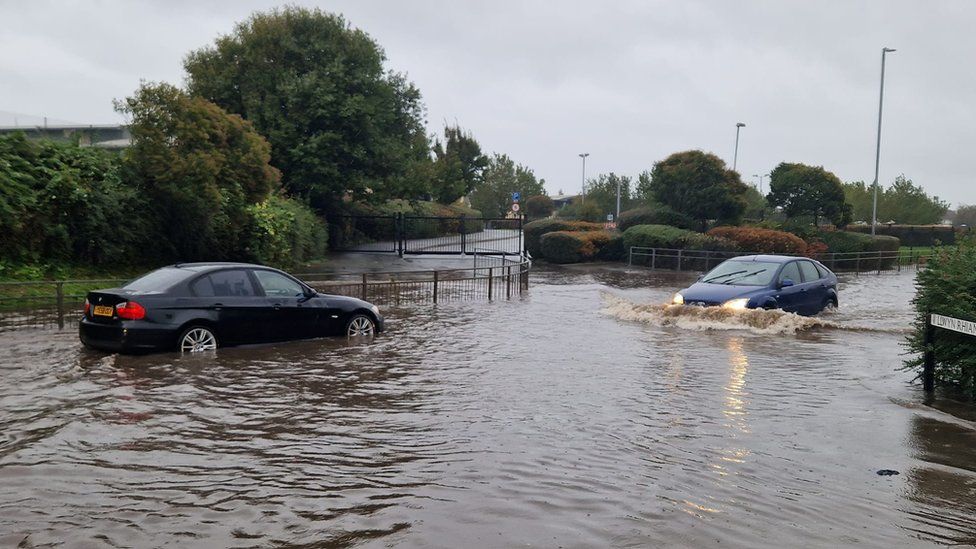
point(948, 287)
point(577, 246)
point(657, 215)
point(912, 235)
point(534, 231)
point(663, 236)
point(768, 241)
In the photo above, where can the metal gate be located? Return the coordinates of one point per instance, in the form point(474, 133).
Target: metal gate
point(405, 234)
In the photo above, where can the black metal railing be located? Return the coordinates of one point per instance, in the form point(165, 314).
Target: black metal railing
point(704, 260)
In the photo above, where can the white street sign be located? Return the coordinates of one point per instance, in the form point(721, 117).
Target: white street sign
point(515, 207)
point(954, 324)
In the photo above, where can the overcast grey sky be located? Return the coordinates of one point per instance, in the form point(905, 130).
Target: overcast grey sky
point(627, 82)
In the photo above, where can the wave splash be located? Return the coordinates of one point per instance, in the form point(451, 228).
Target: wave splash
point(713, 318)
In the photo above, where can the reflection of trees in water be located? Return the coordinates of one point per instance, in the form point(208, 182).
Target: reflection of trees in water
point(946, 491)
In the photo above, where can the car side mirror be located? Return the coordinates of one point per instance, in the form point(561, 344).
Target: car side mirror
point(700, 277)
point(309, 293)
point(786, 283)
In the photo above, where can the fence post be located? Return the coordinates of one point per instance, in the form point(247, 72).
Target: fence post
point(490, 281)
point(630, 257)
point(59, 290)
point(880, 254)
point(679, 260)
point(435, 287)
point(928, 369)
point(508, 283)
point(708, 257)
point(364, 286)
point(398, 228)
point(857, 265)
point(653, 258)
point(464, 237)
point(521, 246)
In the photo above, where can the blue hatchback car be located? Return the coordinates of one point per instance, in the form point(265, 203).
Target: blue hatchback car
point(793, 284)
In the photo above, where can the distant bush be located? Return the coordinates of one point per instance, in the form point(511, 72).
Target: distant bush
point(613, 249)
point(754, 239)
point(658, 215)
point(284, 232)
point(577, 246)
point(539, 207)
point(912, 235)
point(534, 231)
point(663, 236)
point(849, 244)
point(582, 211)
point(946, 287)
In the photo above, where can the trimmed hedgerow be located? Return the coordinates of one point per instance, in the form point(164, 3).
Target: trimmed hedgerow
point(664, 236)
point(658, 215)
point(577, 246)
point(912, 235)
point(849, 242)
point(534, 231)
point(755, 239)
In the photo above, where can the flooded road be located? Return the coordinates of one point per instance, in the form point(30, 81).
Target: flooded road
point(583, 415)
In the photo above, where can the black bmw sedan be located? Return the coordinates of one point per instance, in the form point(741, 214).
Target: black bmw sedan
point(201, 306)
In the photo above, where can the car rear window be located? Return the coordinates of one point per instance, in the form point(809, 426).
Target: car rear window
point(809, 270)
point(232, 282)
point(159, 280)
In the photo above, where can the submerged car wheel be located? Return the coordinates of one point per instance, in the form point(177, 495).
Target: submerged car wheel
point(196, 339)
point(360, 325)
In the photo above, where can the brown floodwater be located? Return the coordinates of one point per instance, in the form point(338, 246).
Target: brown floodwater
point(582, 415)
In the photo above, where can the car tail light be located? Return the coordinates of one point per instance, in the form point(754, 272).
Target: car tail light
point(87, 307)
point(130, 310)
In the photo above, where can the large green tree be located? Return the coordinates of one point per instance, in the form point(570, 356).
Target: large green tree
point(602, 190)
point(338, 122)
point(699, 185)
point(199, 167)
point(501, 177)
point(902, 202)
point(803, 190)
point(459, 165)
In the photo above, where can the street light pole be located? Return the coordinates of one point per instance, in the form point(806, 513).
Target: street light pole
point(735, 156)
point(583, 156)
point(877, 150)
point(618, 199)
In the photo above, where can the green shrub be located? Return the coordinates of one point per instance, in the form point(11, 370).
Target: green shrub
point(912, 235)
point(582, 211)
point(843, 248)
point(284, 232)
point(613, 249)
point(576, 246)
point(658, 215)
point(946, 287)
point(767, 241)
point(663, 236)
point(534, 231)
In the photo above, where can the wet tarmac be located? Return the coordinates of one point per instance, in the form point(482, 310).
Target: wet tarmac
point(583, 415)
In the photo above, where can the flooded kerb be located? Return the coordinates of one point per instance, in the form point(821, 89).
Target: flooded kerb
point(581, 414)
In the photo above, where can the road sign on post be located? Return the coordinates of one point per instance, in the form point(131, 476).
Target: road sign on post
point(515, 207)
point(516, 196)
point(967, 327)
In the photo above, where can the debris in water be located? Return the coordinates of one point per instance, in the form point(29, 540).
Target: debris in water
point(888, 472)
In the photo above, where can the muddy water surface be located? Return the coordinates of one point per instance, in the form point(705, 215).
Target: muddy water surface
point(585, 415)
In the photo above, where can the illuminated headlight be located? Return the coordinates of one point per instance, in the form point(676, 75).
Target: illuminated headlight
point(678, 299)
point(375, 309)
point(736, 304)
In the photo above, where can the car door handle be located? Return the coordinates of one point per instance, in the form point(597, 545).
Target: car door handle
point(277, 306)
point(217, 306)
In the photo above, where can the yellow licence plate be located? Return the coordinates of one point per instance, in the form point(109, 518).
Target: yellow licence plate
point(102, 310)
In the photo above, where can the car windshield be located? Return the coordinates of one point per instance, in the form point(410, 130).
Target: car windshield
point(742, 273)
point(157, 281)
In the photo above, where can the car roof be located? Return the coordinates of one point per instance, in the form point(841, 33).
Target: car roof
point(767, 258)
point(214, 265)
